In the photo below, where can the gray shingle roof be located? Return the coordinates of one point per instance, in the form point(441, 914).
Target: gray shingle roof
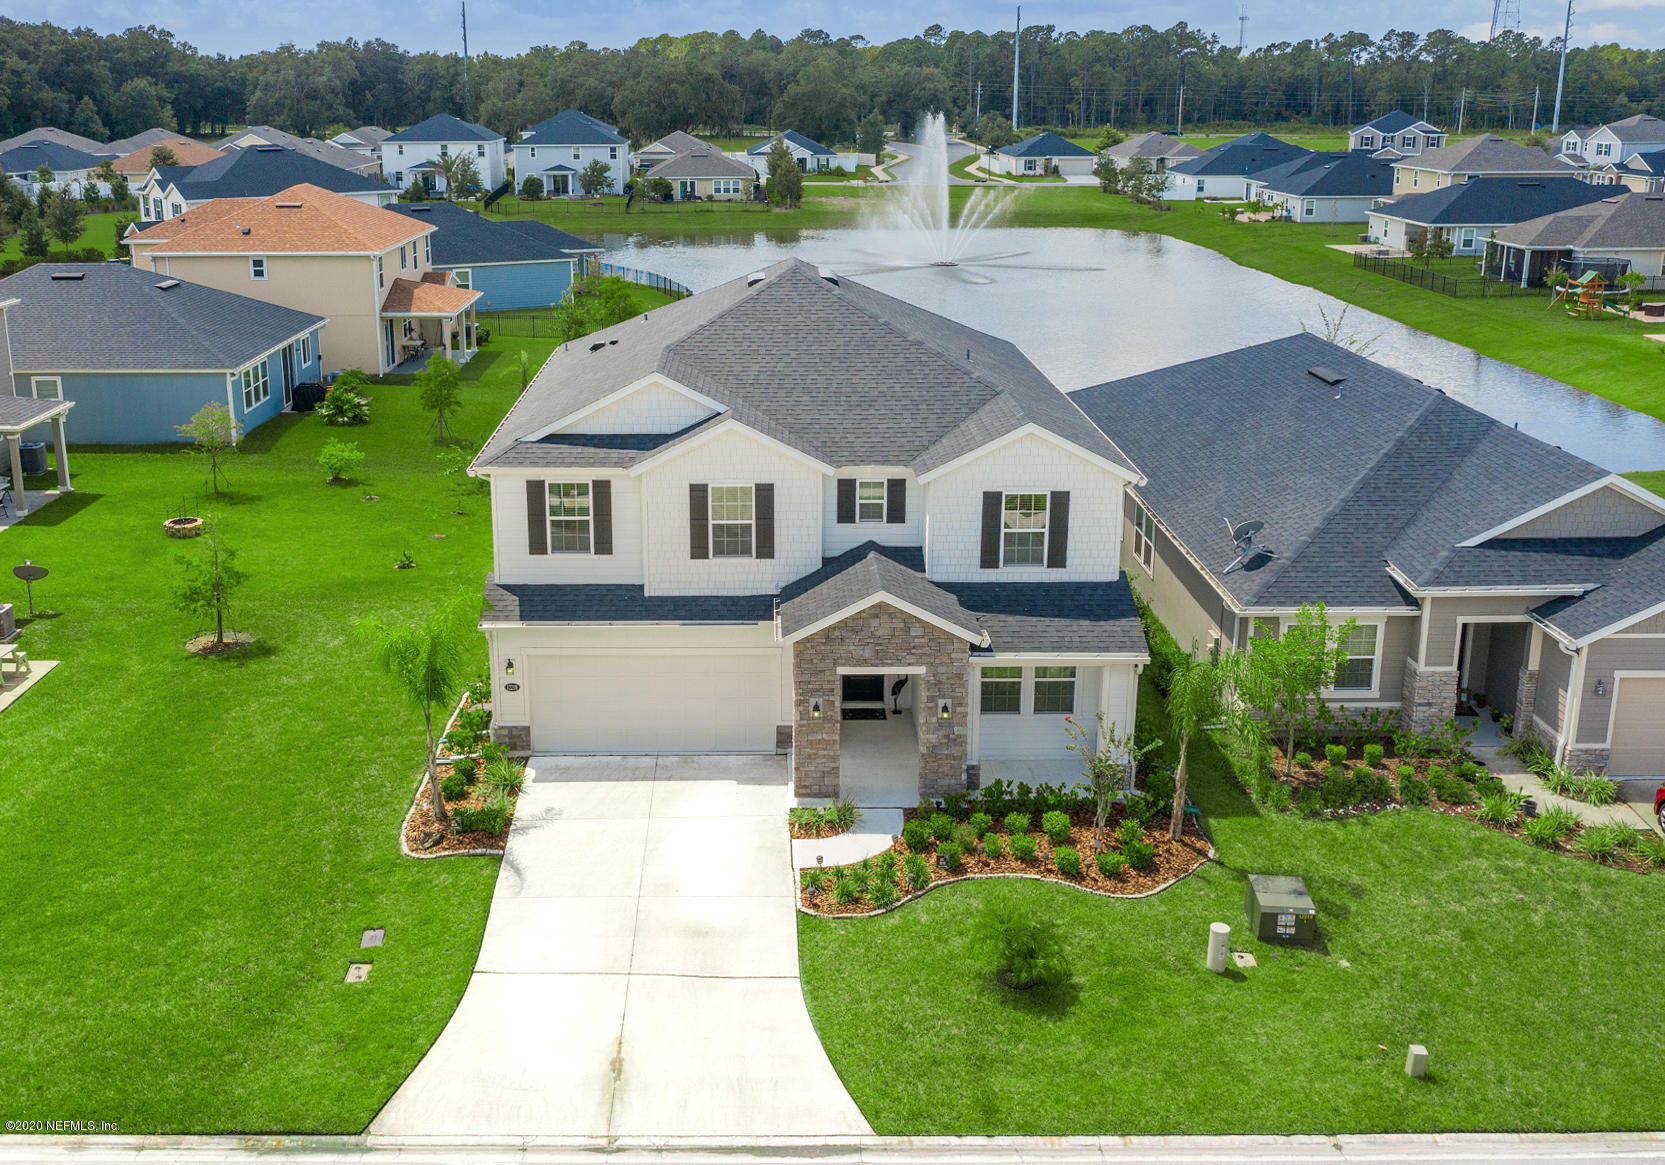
point(1395, 123)
point(1628, 222)
point(862, 573)
point(794, 138)
point(702, 162)
point(261, 171)
point(1633, 583)
point(138, 141)
point(1342, 174)
point(442, 127)
point(117, 318)
point(1493, 201)
point(571, 127)
point(62, 137)
point(22, 411)
point(1045, 145)
point(1096, 618)
point(369, 135)
point(616, 603)
point(1347, 477)
point(676, 142)
point(30, 156)
point(891, 384)
point(1642, 127)
point(462, 237)
point(321, 151)
point(1153, 145)
point(1486, 154)
point(1250, 154)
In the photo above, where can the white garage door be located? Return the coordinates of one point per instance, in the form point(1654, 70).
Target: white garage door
point(1638, 728)
point(693, 702)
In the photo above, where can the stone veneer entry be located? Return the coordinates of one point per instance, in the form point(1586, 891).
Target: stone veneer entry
point(880, 638)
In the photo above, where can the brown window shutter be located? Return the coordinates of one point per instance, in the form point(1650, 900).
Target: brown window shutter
point(537, 519)
point(601, 516)
point(846, 501)
point(896, 500)
point(763, 514)
point(1058, 528)
point(992, 502)
point(699, 520)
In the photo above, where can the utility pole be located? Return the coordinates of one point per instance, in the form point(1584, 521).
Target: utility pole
point(1462, 105)
point(1535, 91)
point(1017, 41)
point(467, 96)
point(979, 116)
point(1179, 110)
point(1561, 72)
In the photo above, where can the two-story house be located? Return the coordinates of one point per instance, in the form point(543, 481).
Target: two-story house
point(1483, 156)
point(69, 168)
point(410, 155)
point(908, 553)
point(1615, 142)
point(368, 271)
point(1481, 567)
point(249, 172)
point(1398, 131)
point(558, 149)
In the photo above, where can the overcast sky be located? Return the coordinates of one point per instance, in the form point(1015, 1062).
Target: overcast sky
point(507, 26)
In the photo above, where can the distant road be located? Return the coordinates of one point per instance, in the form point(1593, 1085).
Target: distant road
point(956, 151)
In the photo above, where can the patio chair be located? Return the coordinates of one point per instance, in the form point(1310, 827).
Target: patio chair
point(6, 496)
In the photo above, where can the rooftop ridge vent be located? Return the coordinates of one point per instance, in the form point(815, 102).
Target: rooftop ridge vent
point(287, 205)
point(754, 278)
point(167, 285)
point(1328, 375)
point(68, 275)
point(266, 148)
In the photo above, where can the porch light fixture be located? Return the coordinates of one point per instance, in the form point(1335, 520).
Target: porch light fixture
point(1601, 687)
point(508, 667)
point(945, 711)
point(815, 710)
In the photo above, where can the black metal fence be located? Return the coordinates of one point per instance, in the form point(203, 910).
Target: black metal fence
point(646, 279)
point(540, 325)
point(1474, 286)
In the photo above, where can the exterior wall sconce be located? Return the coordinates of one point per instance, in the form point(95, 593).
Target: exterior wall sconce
point(508, 667)
point(815, 710)
point(1601, 687)
point(945, 711)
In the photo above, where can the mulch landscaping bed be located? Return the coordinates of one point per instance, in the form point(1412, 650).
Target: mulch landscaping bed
point(420, 830)
point(1173, 860)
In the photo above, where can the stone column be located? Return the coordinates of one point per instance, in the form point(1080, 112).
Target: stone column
point(20, 497)
point(1430, 697)
point(815, 756)
point(60, 454)
point(1526, 698)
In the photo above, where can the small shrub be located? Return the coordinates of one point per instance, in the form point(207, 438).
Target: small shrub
point(1499, 808)
point(339, 459)
point(1465, 770)
point(942, 826)
point(1335, 753)
point(1373, 754)
point(1017, 823)
point(1413, 790)
point(1023, 847)
point(492, 817)
point(885, 893)
point(1485, 783)
point(1110, 864)
point(846, 891)
point(992, 845)
point(1140, 855)
point(919, 871)
point(1159, 787)
point(1068, 861)
point(1652, 848)
point(1129, 831)
point(954, 805)
point(1309, 804)
point(916, 835)
point(1141, 808)
point(454, 787)
point(925, 808)
point(1405, 771)
point(343, 403)
point(1279, 798)
point(884, 870)
point(1372, 786)
point(1604, 842)
point(1436, 773)
point(812, 879)
point(1056, 826)
point(1551, 825)
point(1558, 780)
point(965, 838)
point(951, 855)
point(1303, 760)
point(980, 823)
point(807, 818)
point(1596, 789)
point(1339, 790)
point(1028, 948)
point(842, 815)
point(1449, 789)
point(1361, 772)
point(466, 767)
point(504, 776)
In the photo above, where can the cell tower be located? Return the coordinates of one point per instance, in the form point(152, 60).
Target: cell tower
point(1505, 17)
point(1243, 27)
point(467, 96)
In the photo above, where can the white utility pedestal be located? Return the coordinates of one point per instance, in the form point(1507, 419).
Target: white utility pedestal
point(1219, 939)
point(1416, 1061)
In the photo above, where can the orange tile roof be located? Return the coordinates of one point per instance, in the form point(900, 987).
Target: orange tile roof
point(186, 151)
point(304, 219)
point(410, 297)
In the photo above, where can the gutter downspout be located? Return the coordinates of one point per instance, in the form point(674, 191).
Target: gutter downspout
point(1575, 699)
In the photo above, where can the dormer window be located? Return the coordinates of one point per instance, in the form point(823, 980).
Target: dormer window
point(870, 501)
point(732, 516)
point(1023, 530)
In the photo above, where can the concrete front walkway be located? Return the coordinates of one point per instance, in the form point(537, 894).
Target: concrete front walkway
point(639, 973)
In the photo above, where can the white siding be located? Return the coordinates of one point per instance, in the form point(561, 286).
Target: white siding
point(730, 458)
point(836, 538)
point(953, 532)
point(653, 408)
point(512, 563)
point(532, 160)
point(1029, 735)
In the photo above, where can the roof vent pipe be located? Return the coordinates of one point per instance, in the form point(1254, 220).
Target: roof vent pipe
point(752, 280)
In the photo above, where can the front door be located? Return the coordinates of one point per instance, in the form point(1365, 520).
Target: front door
point(288, 376)
point(686, 190)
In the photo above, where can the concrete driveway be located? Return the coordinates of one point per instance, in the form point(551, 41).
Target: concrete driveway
point(639, 974)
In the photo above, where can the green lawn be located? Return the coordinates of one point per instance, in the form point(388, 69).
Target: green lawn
point(194, 845)
point(1529, 976)
point(828, 204)
point(97, 230)
point(962, 168)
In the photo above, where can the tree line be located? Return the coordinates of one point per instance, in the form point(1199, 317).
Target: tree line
point(111, 85)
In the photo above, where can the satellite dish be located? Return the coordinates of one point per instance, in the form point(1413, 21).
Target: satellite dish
point(1243, 537)
point(30, 574)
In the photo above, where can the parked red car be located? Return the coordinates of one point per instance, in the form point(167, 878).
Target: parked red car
point(1659, 806)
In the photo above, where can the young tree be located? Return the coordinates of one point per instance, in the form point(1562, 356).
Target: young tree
point(994, 131)
point(35, 242)
point(1278, 681)
point(1194, 700)
point(1110, 137)
point(464, 178)
point(161, 156)
point(526, 366)
point(1632, 282)
point(339, 458)
point(429, 659)
point(1109, 175)
point(415, 192)
point(454, 461)
point(1112, 764)
point(1334, 330)
point(64, 218)
point(870, 135)
point(209, 580)
point(439, 388)
point(786, 178)
point(213, 433)
point(595, 179)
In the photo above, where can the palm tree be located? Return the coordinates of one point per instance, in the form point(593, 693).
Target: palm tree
point(1194, 690)
point(429, 658)
point(447, 168)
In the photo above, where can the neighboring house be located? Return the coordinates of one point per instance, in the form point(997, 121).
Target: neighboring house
point(1159, 149)
point(1474, 559)
point(560, 148)
point(810, 155)
point(1571, 144)
point(367, 270)
point(70, 167)
point(138, 141)
point(441, 136)
point(1397, 131)
point(1224, 171)
point(1469, 212)
point(512, 263)
point(690, 557)
point(366, 140)
point(1040, 154)
point(706, 172)
point(1327, 187)
point(265, 135)
point(186, 152)
point(1485, 156)
point(1617, 140)
point(674, 143)
point(1618, 234)
point(1643, 173)
point(139, 353)
point(250, 172)
point(58, 137)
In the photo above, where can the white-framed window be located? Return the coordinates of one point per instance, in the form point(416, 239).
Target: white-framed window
point(401, 148)
point(1199, 185)
point(1144, 538)
point(870, 501)
point(1358, 672)
point(1023, 530)
point(1054, 691)
point(1029, 165)
point(725, 186)
point(1309, 207)
point(402, 258)
point(47, 387)
point(445, 149)
point(569, 517)
point(1604, 149)
point(399, 179)
point(1410, 141)
point(1367, 141)
point(381, 275)
point(732, 516)
point(306, 350)
point(612, 153)
point(575, 153)
point(1001, 691)
point(255, 386)
point(257, 266)
point(177, 210)
point(533, 150)
point(480, 150)
point(428, 250)
point(463, 277)
point(1416, 176)
point(1468, 239)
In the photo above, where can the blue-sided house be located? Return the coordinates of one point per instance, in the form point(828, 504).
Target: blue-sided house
point(512, 263)
point(139, 352)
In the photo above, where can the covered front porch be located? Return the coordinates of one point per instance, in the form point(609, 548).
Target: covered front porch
point(18, 414)
point(426, 318)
